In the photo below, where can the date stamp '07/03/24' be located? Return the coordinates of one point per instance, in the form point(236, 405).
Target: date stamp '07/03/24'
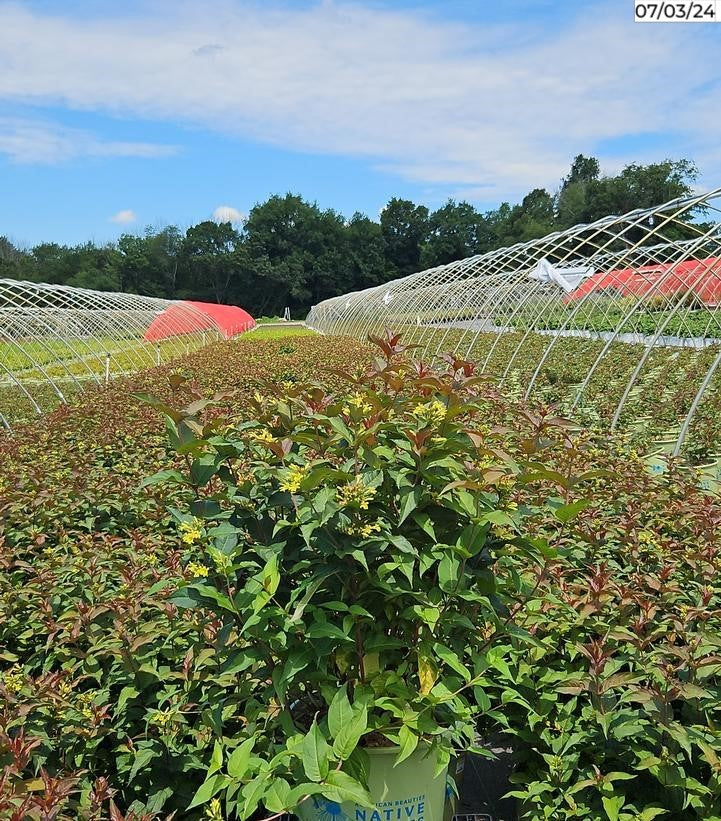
point(677, 11)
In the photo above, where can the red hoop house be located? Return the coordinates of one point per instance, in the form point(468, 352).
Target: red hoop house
point(701, 277)
point(190, 317)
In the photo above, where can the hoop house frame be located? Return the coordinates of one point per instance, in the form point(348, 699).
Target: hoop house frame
point(642, 289)
point(55, 339)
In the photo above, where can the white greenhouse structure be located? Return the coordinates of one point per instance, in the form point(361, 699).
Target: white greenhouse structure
point(56, 340)
point(618, 321)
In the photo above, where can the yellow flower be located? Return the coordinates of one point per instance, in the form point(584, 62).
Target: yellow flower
point(163, 717)
point(13, 680)
point(191, 531)
point(371, 527)
point(221, 561)
point(358, 400)
point(293, 478)
point(261, 435)
point(198, 571)
point(647, 538)
point(502, 532)
point(432, 413)
point(213, 811)
point(84, 705)
point(356, 494)
point(361, 529)
point(65, 688)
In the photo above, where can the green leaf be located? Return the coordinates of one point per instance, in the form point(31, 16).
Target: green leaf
point(443, 757)
point(126, 694)
point(316, 753)
point(350, 733)
point(203, 469)
point(424, 521)
point(612, 805)
point(142, 758)
point(205, 508)
point(297, 794)
point(340, 712)
point(448, 572)
point(252, 792)
point(451, 659)
point(164, 477)
point(409, 498)
point(216, 760)
point(403, 545)
point(271, 575)
point(566, 513)
point(277, 798)
point(341, 787)
point(324, 629)
point(204, 591)
point(240, 758)
point(408, 741)
point(207, 790)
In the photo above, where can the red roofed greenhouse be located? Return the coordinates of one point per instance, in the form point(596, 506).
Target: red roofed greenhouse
point(56, 340)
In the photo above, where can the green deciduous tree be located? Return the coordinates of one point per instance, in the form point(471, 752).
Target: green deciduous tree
point(455, 231)
point(210, 262)
point(291, 253)
point(405, 230)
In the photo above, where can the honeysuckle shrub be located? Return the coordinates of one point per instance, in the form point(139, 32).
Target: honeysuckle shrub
point(110, 692)
point(622, 694)
point(91, 652)
point(604, 670)
point(364, 568)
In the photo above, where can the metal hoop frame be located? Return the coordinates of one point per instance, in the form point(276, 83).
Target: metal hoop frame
point(475, 305)
point(52, 336)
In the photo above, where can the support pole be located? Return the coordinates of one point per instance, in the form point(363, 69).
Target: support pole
point(107, 368)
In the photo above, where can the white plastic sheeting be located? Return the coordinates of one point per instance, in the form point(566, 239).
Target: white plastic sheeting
point(568, 278)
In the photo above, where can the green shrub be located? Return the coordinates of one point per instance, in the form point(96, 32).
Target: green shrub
point(366, 573)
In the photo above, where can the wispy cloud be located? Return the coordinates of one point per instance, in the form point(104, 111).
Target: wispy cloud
point(493, 108)
point(40, 141)
point(124, 217)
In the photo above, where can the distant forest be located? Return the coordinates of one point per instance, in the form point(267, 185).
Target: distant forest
point(292, 253)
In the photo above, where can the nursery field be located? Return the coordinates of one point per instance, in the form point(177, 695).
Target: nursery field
point(37, 375)
point(589, 379)
point(620, 316)
point(226, 582)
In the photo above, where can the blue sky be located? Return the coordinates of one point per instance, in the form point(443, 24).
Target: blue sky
point(113, 117)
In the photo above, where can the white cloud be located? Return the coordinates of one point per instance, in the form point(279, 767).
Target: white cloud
point(26, 140)
point(226, 213)
point(494, 109)
point(124, 217)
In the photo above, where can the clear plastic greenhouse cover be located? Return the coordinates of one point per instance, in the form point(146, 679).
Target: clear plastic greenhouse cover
point(625, 311)
point(55, 340)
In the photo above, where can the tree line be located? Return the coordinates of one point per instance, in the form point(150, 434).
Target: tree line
point(290, 252)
